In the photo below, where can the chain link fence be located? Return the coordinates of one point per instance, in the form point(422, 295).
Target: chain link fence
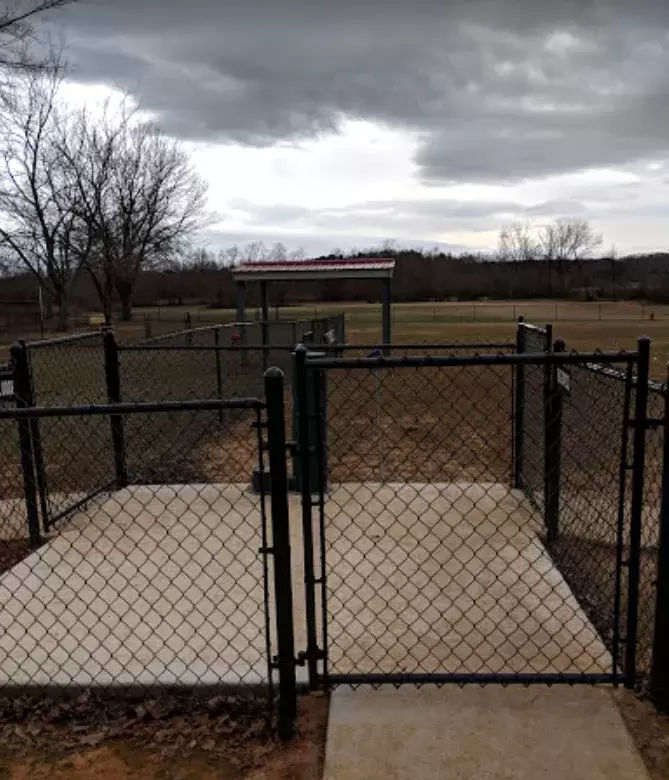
point(150, 585)
point(436, 568)
point(73, 456)
point(474, 521)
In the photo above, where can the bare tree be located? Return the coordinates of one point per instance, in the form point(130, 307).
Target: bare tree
point(39, 230)
point(139, 196)
point(254, 252)
point(567, 241)
point(516, 243)
point(278, 252)
point(20, 48)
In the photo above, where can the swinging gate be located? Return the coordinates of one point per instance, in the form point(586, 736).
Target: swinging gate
point(440, 496)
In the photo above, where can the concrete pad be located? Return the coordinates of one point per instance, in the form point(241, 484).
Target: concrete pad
point(162, 584)
point(490, 732)
point(448, 577)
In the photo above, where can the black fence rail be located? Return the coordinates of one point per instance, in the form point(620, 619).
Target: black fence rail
point(149, 585)
point(71, 467)
point(471, 511)
point(417, 520)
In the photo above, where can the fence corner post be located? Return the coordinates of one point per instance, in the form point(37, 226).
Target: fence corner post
point(113, 380)
point(636, 509)
point(23, 394)
point(518, 407)
point(283, 589)
point(659, 672)
point(553, 444)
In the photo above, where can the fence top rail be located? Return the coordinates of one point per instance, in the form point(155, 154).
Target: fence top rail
point(203, 404)
point(202, 347)
point(211, 325)
point(417, 361)
point(423, 345)
point(619, 375)
point(63, 339)
point(536, 328)
point(138, 347)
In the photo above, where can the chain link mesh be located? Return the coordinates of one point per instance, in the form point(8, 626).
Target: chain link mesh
point(434, 564)
point(155, 584)
point(530, 439)
point(74, 460)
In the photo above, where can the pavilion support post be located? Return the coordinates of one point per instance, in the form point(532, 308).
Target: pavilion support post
point(241, 302)
point(385, 302)
point(265, 301)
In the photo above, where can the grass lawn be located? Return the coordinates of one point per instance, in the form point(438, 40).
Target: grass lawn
point(578, 323)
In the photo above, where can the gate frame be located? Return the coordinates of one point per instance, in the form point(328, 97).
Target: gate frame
point(550, 360)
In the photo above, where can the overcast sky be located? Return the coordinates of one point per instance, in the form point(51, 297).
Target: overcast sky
point(343, 123)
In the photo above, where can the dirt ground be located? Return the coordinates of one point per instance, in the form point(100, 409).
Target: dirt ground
point(170, 738)
point(650, 731)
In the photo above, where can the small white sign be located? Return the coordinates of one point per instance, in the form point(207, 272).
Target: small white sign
point(563, 379)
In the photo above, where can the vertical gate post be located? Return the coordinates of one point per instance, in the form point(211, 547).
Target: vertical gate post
point(219, 376)
point(553, 446)
point(659, 674)
point(283, 589)
point(28, 397)
point(22, 391)
point(639, 456)
point(519, 405)
point(113, 378)
point(302, 472)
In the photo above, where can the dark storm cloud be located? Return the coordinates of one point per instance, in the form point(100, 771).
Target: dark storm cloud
point(498, 90)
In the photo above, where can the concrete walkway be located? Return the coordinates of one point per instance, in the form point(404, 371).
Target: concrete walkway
point(479, 732)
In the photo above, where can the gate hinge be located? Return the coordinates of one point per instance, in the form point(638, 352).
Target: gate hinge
point(304, 655)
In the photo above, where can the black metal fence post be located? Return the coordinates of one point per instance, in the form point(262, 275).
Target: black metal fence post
point(113, 378)
point(659, 673)
point(320, 395)
point(283, 589)
point(519, 405)
point(23, 394)
point(638, 465)
point(36, 435)
point(302, 472)
point(553, 446)
point(219, 375)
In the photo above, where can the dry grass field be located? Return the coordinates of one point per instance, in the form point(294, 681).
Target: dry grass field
point(606, 325)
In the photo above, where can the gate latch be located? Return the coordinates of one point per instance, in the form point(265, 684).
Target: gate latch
point(303, 656)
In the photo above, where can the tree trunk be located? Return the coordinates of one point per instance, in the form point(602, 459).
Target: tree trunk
point(63, 317)
point(124, 291)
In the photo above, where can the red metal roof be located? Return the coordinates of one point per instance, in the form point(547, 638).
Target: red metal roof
point(337, 262)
